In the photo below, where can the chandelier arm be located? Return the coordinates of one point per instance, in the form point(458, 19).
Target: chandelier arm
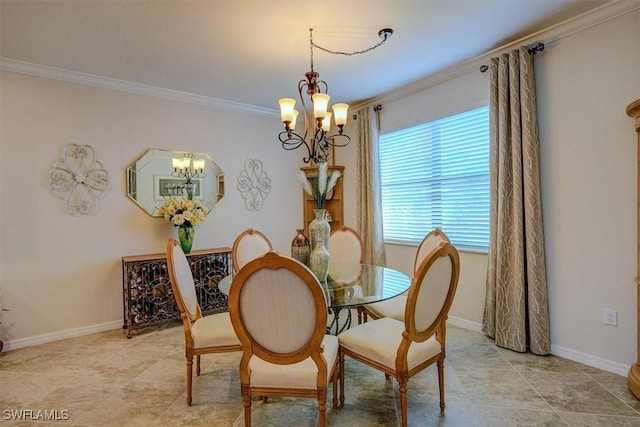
point(331, 140)
point(301, 86)
point(187, 174)
point(292, 141)
point(326, 86)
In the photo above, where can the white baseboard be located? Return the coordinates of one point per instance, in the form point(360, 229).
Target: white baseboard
point(566, 353)
point(464, 323)
point(590, 360)
point(576, 356)
point(61, 335)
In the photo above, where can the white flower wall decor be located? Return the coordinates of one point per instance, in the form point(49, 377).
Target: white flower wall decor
point(254, 184)
point(79, 179)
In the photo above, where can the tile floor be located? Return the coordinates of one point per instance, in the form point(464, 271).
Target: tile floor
point(106, 379)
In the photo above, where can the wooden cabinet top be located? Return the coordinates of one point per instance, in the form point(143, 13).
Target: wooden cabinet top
point(311, 171)
point(135, 258)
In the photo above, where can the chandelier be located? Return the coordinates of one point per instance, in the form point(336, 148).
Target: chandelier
point(317, 136)
point(189, 168)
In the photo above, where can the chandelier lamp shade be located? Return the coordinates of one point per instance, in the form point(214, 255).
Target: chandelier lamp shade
point(317, 134)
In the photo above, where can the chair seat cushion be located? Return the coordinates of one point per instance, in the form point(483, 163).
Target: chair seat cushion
point(393, 307)
point(378, 340)
point(301, 375)
point(213, 330)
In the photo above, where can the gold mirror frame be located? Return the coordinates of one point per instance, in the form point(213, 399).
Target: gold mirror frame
point(148, 176)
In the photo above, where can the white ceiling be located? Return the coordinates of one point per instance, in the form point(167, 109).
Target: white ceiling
point(254, 51)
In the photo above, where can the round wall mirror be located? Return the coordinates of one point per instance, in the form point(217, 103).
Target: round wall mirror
point(153, 179)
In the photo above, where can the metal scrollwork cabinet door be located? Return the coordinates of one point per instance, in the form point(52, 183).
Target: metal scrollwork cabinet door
point(147, 297)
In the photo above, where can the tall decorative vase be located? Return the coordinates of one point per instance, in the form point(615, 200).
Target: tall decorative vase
point(319, 228)
point(185, 235)
point(300, 247)
point(319, 261)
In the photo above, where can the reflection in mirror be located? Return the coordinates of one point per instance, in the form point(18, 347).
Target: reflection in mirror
point(161, 174)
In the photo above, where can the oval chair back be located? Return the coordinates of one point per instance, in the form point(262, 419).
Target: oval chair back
point(249, 244)
point(345, 245)
point(428, 244)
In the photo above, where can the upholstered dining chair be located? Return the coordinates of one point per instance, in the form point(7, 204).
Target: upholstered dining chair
point(202, 334)
point(401, 349)
point(248, 245)
point(279, 311)
point(345, 245)
point(394, 307)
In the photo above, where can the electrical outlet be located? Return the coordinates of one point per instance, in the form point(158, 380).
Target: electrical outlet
point(610, 317)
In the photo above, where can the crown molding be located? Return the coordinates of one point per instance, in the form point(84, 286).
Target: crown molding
point(12, 65)
point(571, 26)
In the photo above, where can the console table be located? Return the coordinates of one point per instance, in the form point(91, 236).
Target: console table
point(147, 297)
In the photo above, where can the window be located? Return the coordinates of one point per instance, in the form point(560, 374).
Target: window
point(436, 174)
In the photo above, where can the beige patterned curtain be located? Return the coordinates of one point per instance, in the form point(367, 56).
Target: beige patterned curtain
point(516, 312)
point(369, 204)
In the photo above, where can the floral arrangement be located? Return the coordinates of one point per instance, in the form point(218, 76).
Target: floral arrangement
point(183, 212)
point(320, 186)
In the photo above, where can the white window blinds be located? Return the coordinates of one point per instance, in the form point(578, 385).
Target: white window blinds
point(436, 174)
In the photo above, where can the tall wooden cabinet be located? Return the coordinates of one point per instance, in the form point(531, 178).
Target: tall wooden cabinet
point(334, 204)
point(633, 110)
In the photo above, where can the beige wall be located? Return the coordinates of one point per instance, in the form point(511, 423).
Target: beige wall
point(60, 275)
point(588, 166)
point(59, 272)
point(588, 170)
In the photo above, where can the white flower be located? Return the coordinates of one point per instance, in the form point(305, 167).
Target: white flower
point(318, 187)
point(333, 179)
point(322, 178)
point(183, 212)
point(178, 219)
point(306, 185)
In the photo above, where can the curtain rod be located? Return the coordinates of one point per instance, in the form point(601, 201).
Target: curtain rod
point(377, 107)
point(533, 49)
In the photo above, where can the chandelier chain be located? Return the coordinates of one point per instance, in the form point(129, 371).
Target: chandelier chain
point(385, 35)
point(311, 46)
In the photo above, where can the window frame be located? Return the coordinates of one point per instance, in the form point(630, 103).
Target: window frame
point(433, 139)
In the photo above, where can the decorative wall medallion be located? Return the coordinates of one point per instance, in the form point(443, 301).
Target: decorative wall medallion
point(253, 184)
point(79, 179)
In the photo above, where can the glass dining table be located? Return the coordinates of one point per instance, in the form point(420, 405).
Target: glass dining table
point(350, 285)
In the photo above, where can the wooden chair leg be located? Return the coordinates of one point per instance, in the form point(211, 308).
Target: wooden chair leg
point(198, 365)
point(341, 371)
point(322, 407)
point(246, 403)
point(334, 386)
point(441, 383)
point(402, 383)
point(189, 378)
